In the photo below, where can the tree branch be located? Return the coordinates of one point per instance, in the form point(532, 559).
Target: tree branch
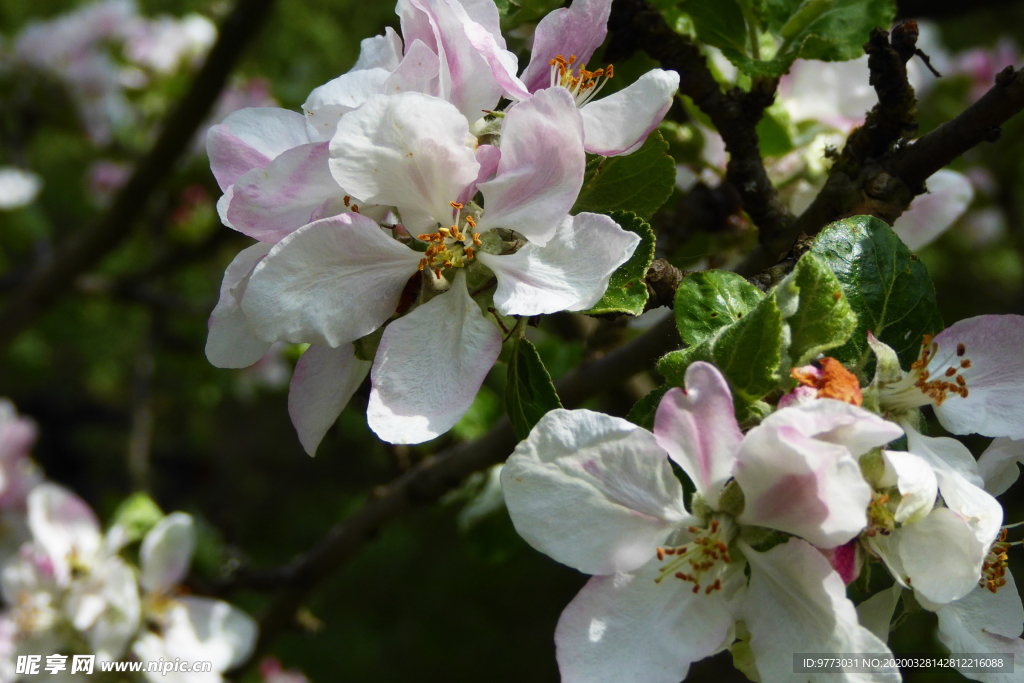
point(431, 478)
point(86, 249)
point(637, 24)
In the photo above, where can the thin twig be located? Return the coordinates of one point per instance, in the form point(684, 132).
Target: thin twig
point(87, 248)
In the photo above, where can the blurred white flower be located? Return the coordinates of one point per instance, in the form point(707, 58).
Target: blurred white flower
point(18, 187)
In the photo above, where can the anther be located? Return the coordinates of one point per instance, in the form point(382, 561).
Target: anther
point(961, 349)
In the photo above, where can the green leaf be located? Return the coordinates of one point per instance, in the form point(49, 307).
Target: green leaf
point(710, 300)
point(821, 317)
point(627, 291)
point(748, 352)
point(138, 513)
point(719, 23)
point(643, 411)
point(773, 132)
point(887, 287)
point(639, 182)
point(529, 393)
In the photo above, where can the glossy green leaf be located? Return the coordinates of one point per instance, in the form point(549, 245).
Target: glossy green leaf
point(529, 392)
point(815, 309)
point(886, 286)
point(639, 182)
point(710, 300)
point(627, 291)
point(719, 23)
point(748, 352)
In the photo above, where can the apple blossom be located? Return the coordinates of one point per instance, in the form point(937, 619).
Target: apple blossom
point(183, 626)
point(598, 494)
point(18, 187)
point(971, 373)
point(339, 279)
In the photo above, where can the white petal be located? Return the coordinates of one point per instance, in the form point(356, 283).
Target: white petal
point(569, 273)
point(408, 151)
point(875, 614)
point(625, 628)
point(17, 187)
point(323, 382)
point(429, 366)
point(800, 484)
point(943, 540)
point(576, 30)
point(329, 282)
point(949, 194)
point(252, 138)
point(986, 623)
point(231, 342)
point(917, 485)
point(998, 464)
point(62, 524)
point(380, 52)
point(838, 423)
point(202, 629)
point(418, 72)
point(981, 510)
point(995, 378)
point(541, 167)
point(166, 553)
point(119, 623)
point(796, 602)
point(697, 426)
point(619, 123)
point(328, 103)
point(943, 453)
point(269, 203)
point(592, 491)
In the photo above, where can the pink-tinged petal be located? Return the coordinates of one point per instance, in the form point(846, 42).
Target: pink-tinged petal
point(569, 273)
point(430, 365)
point(697, 426)
point(271, 203)
point(575, 31)
point(503, 63)
point(541, 168)
point(380, 52)
point(407, 151)
point(619, 123)
point(328, 103)
point(627, 628)
point(467, 79)
point(983, 622)
point(796, 602)
point(837, 422)
point(942, 539)
point(487, 156)
point(329, 282)
point(231, 342)
point(998, 465)
point(166, 553)
point(994, 378)
point(17, 434)
point(418, 72)
point(252, 138)
point(949, 194)
point(592, 491)
point(845, 559)
point(801, 485)
point(62, 524)
point(323, 382)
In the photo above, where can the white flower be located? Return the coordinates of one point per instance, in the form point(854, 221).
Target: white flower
point(193, 629)
point(17, 187)
point(598, 494)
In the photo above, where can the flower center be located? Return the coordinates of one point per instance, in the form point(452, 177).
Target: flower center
point(702, 560)
point(931, 379)
point(583, 85)
point(993, 569)
point(450, 247)
point(881, 520)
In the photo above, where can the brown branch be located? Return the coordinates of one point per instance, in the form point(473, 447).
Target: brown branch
point(431, 478)
point(86, 249)
point(636, 24)
point(880, 176)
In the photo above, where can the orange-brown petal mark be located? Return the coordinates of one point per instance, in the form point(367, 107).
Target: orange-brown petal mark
point(834, 381)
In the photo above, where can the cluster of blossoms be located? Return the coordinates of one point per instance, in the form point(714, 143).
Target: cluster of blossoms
point(783, 517)
point(403, 214)
point(69, 588)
